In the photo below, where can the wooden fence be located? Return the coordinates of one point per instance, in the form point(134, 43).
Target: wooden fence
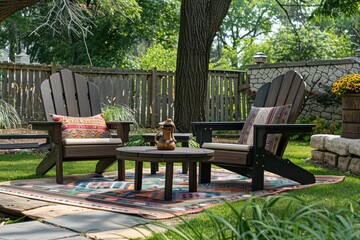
point(149, 93)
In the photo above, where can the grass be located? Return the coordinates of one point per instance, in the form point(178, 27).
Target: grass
point(332, 197)
point(329, 198)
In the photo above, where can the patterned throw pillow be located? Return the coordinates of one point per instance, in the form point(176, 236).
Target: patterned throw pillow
point(266, 115)
point(82, 127)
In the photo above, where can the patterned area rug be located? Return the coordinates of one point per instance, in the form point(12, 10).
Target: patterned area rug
point(102, 192)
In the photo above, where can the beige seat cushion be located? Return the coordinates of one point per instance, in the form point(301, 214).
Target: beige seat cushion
point(227, 146)
point(85, 141)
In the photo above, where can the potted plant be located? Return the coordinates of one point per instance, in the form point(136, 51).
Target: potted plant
point(348, 88)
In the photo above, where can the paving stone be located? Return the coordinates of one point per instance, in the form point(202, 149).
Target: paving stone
point(97, 221)
point(19, 204)
point(55, 211)
point(331, 158)
point(354, 166)
point(317, 155)
point(34, 230)
point(344, 162)
point(130, 233)
point(354, 147)
point(339, 145)
point(318, 140)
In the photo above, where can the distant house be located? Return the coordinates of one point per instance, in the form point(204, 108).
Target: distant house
point(4, 55)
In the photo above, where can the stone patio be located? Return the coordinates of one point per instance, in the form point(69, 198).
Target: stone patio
point(335, 151)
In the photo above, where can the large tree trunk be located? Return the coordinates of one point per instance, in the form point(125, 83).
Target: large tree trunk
point(199, 22)
point(9, 7)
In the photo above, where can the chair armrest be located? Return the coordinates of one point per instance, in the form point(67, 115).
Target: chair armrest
point(122, 128)
point(261, 130)
point(54, 129)
point(203, 130)
point(42, 125)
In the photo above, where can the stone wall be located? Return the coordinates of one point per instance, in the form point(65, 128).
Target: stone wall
point(318, 75)
point(335, 151)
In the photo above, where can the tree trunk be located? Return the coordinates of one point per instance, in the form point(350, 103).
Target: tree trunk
point(199, 22)
point(9, 7)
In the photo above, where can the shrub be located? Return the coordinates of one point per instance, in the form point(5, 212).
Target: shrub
point(322, 126)
point(9, 118)
point(120, 113)
point(324, 96)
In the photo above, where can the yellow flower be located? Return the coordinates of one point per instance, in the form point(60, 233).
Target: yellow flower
point(347, 84)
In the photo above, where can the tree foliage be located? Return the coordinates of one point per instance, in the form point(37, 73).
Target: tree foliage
point(156, 57)
point(313, 44)
point(335, 8)
point(246, 21)
point(111, 30)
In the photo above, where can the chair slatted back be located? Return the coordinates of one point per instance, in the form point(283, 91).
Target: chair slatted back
point(70, 94)
point(288, 88)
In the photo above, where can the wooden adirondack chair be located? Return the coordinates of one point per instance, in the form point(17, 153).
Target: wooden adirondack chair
point(70, 94)
point(288, 88)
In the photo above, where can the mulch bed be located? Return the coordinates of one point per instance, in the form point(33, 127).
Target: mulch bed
point(19, 131)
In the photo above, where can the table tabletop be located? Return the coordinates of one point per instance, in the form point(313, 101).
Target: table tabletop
point(152, 151)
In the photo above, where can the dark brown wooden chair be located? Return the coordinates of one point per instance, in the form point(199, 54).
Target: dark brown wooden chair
point(288, 88)
point(70, 94)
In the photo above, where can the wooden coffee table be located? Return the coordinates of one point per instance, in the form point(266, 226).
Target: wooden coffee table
point(169, 157)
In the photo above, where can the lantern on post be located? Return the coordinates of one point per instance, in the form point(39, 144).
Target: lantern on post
point(259, 58)
point(357, 53)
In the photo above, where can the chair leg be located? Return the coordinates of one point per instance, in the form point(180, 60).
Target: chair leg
point(48, 162)
point(285, 168)
point(204, 173)
point(104, 164)
point(59, 167)
point(257, 177)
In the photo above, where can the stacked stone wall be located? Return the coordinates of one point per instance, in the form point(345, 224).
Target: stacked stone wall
point(337, 152)
point(317, 75)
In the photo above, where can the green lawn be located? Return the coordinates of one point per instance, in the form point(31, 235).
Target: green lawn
point(333, 196)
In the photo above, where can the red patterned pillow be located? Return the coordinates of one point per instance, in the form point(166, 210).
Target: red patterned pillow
point(82, 127)
point(266, 115)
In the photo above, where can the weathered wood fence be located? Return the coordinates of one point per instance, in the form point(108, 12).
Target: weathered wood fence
point(149, 93)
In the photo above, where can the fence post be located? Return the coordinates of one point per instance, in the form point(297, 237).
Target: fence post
point(153, 102)
point(53, 67)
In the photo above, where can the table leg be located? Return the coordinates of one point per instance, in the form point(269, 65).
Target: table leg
point(121, 170)
point(192, 177)
point(168, 180)
point(138, 175)
point(185, 166)
point(154, 166)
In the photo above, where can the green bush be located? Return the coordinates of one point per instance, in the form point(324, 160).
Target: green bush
point(322, 126)
point(260, 218)
point(9, 118)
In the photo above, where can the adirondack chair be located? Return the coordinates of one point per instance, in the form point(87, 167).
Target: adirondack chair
point(70, 94)
point(252, 161)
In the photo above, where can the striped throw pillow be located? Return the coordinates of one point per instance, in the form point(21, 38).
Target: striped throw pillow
point(82, 127)
point(266, 115)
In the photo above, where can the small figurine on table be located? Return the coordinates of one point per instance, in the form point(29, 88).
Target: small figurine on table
point(167, 140)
